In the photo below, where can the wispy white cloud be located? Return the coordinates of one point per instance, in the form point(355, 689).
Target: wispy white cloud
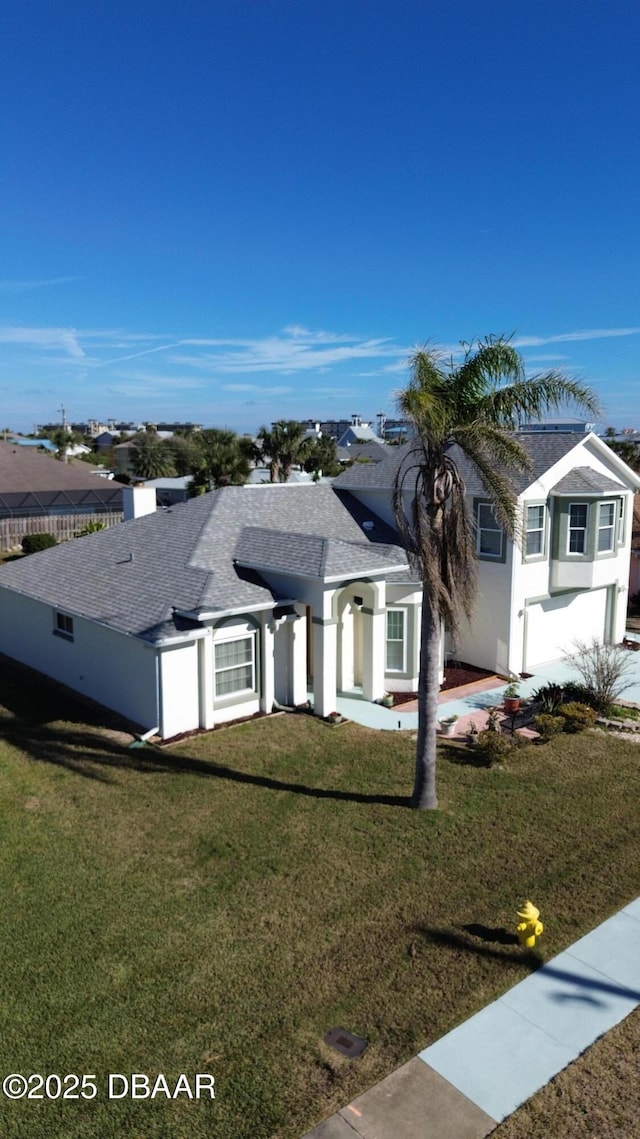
point(10, 286)
point(293, 350)
point(47, 338)
point(567, 337)
point(136, 355)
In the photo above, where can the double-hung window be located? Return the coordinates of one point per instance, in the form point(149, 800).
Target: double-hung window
point(490, 536)
point(396, 626)
point(606, 527)
point(578, 513)
point(534, 527)
point(235, 666)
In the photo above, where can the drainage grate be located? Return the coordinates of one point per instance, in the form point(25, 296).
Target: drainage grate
point(346, 1042)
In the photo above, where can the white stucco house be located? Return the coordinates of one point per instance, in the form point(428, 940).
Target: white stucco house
point(217, 608)
point(567, 577)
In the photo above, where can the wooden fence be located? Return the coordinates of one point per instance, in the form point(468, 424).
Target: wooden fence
point(62, 526)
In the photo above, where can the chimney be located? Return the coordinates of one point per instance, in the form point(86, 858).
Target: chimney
point(355, 420)
point(138, 500)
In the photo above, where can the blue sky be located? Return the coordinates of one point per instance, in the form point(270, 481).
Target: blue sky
point(236, 210)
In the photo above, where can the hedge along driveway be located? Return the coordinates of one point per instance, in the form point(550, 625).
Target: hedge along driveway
point(218, 906)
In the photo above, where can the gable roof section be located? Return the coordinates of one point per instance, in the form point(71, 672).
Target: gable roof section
point(585, 481)
point(135, 576)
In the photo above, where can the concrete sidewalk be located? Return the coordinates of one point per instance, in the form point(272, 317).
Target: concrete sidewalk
point(467, 1082)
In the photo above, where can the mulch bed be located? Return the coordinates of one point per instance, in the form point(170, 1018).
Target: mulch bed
point(459, 673)
point(454, 676)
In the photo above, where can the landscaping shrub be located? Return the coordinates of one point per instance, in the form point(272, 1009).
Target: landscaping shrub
point(604, 670)
point(580, 693)
point(493, 747)
point(548, 725)
point(549, 698)
point(92, 527)
point(577, 716)
point(32, 543)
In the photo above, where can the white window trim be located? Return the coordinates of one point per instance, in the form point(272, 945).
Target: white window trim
point(621, 521)
point(63, 626)
point(397, 609)
point(248, 635)
point(535, 529)
point(497, 529)
point(585, 530)
point(611, 526)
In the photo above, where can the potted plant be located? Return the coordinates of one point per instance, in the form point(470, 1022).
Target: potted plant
point(448, 725)
point(334, 718)
point(387, 700)
point(472, 734)
point(511, 698)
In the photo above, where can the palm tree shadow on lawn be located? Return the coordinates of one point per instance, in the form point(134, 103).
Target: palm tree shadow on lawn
point(97, 756)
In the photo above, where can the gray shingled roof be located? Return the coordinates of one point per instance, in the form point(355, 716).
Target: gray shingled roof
point(544, 449)
point(375, 452)
point(312, 555)
point(132, 576)
point(584, 480)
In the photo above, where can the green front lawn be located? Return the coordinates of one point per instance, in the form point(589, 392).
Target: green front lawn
point(219, 905)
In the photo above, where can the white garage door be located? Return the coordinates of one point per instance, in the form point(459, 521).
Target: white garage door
point(554, 625)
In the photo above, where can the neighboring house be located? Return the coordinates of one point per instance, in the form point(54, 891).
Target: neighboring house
point(562, 425)
point(124, 453)
point(214, 609)
point(358, 433)
point(568, 576)
point(170, 491)
point(371, 452)
point(37, 444)
point(259, 475)
point(37, 492)
point(104, 441)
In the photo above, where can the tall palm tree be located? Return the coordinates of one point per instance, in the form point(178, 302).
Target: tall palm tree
point(284, 445)
point(471, 409)
point(221, 460)
point(151, 457)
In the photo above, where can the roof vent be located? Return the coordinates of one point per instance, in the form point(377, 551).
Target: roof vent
point(368, 525)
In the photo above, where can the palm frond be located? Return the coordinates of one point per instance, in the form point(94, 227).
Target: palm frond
point(532, 398)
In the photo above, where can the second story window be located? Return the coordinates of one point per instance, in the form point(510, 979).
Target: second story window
point(534, 526)
point(606, 527)
point(577, 528)
point(490, 535)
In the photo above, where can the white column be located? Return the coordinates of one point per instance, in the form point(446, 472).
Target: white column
point(299, 660)
point(325, 647)
point(374, 645)
point(267, 662)
point(205, 681)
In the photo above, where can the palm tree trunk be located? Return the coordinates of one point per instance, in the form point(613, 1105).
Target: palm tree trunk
point(424, 790)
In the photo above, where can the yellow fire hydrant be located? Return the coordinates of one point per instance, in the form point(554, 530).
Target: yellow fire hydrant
point(528, 928)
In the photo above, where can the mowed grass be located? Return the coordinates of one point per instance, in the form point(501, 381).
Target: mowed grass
point(596, 1097)
point(219, 905)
